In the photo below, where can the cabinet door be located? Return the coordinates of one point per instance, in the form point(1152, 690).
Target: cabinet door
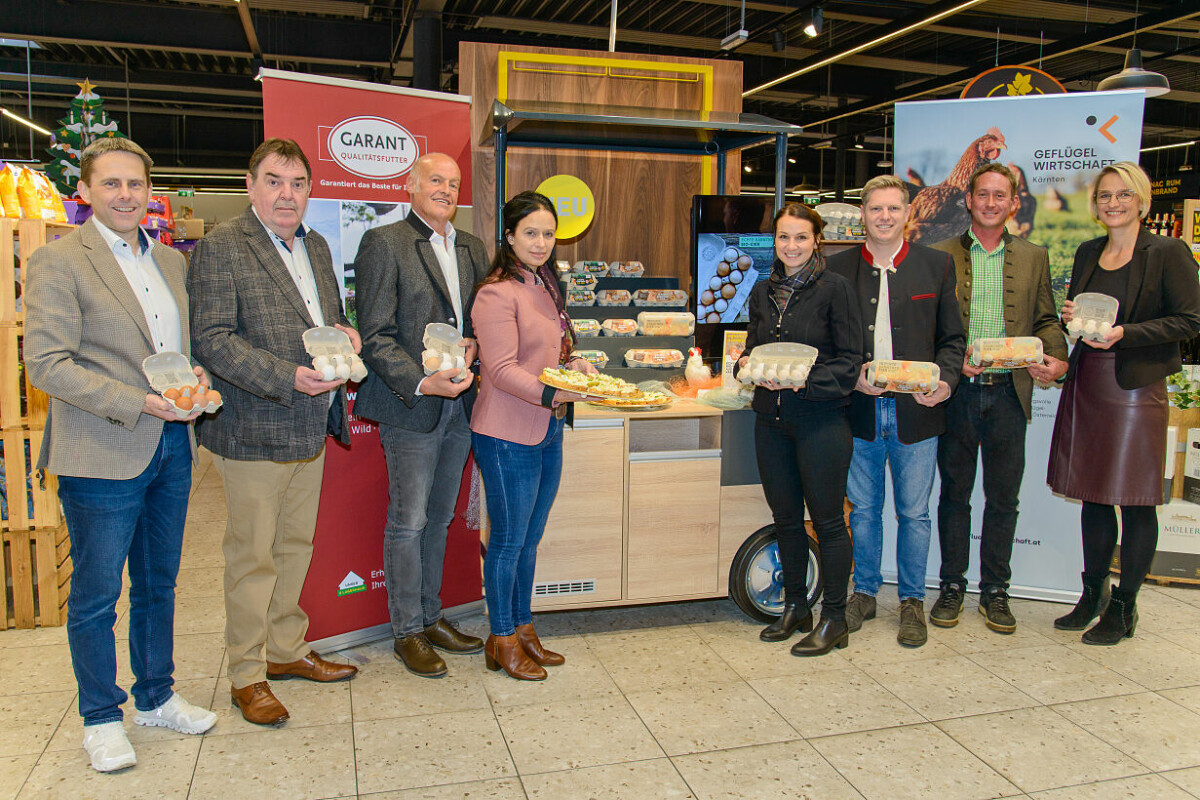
point(674, 521)
point(579, 559)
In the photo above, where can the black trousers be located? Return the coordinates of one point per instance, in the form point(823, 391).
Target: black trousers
point(804, 462)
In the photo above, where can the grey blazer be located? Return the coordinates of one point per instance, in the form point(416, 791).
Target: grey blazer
point(247, 322)
point(400, 289)
point(85, 339)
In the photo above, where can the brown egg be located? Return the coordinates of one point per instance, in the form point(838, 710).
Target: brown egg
point(713, 317)
point(185, 391)
point(214, 397)
point(184, 403)
point(723, 269)
point(744, 263)
point(171, 394)
point(707, 297)
point(199, 392)
point(728, 291)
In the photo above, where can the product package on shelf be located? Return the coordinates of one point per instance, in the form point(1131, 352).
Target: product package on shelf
point(581, 282)
point(1094, 317)
point(786, 363)
point(596, 268)
point(1013, 352)
point(619, 327)
point(906, 377)
point(597, 358)
point(563, 268)
point(579, 298)
point(170, 374)
point(660, 297)
point(666, 323)
point(613, 297)
point(660, 358)
point(442, 351)
point(586, 327)
point(626, 269)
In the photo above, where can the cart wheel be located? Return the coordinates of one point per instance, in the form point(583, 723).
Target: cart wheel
point(756, 576)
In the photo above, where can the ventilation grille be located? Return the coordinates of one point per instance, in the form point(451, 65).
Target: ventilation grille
point(564, 587)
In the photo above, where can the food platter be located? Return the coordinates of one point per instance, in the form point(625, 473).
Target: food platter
point(596, 385)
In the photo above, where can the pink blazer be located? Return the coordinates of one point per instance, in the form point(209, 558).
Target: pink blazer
point(519, 335)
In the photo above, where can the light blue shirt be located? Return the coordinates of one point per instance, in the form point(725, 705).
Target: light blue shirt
point(149, 287)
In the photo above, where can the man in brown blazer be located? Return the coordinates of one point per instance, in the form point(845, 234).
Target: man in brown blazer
point(98, 301)
point(257, 283)
point(1003, 291)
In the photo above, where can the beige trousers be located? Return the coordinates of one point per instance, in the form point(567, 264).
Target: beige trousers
point(268, 545)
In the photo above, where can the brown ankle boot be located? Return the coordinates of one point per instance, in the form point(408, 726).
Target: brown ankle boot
point(506, 652)
point(534, 649)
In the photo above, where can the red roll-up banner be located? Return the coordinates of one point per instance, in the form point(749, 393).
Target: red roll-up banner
point(362, 139)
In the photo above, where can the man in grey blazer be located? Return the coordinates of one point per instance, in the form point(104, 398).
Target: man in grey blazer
point(98, 301)
point(408, 274)
point(257, 283)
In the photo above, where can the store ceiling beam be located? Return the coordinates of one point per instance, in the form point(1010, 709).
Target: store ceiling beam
point(243, 9)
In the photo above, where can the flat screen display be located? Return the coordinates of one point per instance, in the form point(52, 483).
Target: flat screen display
point(733, 247)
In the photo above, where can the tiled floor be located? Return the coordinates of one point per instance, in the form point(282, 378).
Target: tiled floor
point(676, 701)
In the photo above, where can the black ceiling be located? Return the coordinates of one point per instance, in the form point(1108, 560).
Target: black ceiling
point(178, 74)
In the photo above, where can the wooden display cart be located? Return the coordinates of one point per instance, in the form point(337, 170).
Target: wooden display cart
point(35, 562)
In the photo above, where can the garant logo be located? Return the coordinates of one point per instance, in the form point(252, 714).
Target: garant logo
point(372, 147)
point(351, 584)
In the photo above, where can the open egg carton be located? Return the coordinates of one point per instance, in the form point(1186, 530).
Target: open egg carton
point(170, 374)
point(442, 351)
point(1095, 315)
point(786, 363)
point(906, 377)
point(333, 354)
point(1013, 352)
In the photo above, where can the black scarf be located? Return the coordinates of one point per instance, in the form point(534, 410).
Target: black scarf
point(782, 284)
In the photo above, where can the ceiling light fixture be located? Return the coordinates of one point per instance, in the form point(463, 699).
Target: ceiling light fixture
point(1134, 76)
point(1186, 166)
point(791, 161)
point(858, 143)
point(747, 168)
point(24, 121)
point(887, 37)
point(738, 37)
point(1168, 146)
point(816, 19)
point(778, 42)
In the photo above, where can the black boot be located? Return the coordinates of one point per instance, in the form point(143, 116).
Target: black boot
point(1091, 604)
point(795, 617)
point(1118, 621)
point(828, 634)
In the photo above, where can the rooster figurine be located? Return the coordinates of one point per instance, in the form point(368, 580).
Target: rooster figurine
point(698, 375)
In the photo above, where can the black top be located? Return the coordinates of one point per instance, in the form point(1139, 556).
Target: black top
point(1162, 306)
point(824, 315)
point(1115, 284)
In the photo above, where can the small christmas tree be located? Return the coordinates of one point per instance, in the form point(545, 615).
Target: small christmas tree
point(87, 121)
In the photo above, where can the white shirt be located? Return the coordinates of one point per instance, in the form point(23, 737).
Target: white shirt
point(299, 267)
point(883, 309)
point(149, 287)
point(443, 248)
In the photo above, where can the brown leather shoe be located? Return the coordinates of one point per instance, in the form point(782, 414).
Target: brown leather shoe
point(533, 648)
point(311, 668)
point(418, 657)
point(259, 705)
point(445, 636)
point(506, 652)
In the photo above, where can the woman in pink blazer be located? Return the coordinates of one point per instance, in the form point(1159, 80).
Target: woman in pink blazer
point(522, 327)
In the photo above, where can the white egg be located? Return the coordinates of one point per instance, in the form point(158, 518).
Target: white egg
point(736, 277)
point(757, 371)
point(1089, 326)
point(328, 373)
point(731, 255)
point(770, 373)
point(358, 370)
point(1104, 328)
point(320, 363)
point(447, 361)
point(715, 284)
point(1075, 325)
point(342, 371)
point(721, 305)
point(744, 376)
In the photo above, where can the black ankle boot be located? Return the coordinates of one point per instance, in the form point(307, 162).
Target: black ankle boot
point(1118, 621)
point(827, 635)
point(1091, 604)
point(795, 617)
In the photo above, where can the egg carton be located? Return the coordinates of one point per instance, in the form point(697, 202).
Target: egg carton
point(586, 327)
point(660, 297)
point(666, 323)
point(597, 358)
point(581, 282)
point(906, 377)
point(619, 327)
point(613, 297)
point(581, 297)
point(333, 354)
point(785, 363)
point(563, 268)
point(656, 358)
point(170, 374)
point(1013, 352)
point(596, 268)
point(626, 269)
point(443, 351)
point(1094, 317)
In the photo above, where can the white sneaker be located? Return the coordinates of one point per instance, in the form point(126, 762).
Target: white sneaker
point(178, 715)
point(108, 746)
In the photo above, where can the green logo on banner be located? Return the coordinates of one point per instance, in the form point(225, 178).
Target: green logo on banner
point(351, 584)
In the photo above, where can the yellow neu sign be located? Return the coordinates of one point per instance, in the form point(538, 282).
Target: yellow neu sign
point(573, 202)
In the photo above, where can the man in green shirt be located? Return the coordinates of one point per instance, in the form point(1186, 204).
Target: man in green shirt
point(1003, 291)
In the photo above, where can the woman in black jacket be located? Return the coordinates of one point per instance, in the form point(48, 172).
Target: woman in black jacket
point(802, 436)
point(1109, 445)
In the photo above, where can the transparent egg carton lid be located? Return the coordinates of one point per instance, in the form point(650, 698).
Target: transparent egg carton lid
point(1012, 352)
point(906, 377)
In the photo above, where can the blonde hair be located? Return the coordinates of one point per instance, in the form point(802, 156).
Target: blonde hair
point(1135, 179)
point(113, 144)
point(884, 182)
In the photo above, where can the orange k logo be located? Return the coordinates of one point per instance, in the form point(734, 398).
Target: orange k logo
point(1104, 130)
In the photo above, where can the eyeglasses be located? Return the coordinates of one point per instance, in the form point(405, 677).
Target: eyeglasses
point(1124, 198)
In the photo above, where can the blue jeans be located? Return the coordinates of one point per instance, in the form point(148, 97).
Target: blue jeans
point(913, 467)
point(424, 475)
point(521, 482)
point(140, 520)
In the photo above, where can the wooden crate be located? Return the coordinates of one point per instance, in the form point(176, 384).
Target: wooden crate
point(36, 571)
point(18, 240)
point(23, 490)
point(21, 403)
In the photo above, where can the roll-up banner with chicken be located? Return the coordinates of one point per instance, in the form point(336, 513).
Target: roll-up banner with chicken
point(1055, 145)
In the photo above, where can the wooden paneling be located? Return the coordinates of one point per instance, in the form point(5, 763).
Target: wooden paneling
point(643, 201)
point(744, 510)
point(674, 513)
point(583, 535)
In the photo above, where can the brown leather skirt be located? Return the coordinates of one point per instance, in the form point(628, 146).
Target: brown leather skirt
point(1109, 444)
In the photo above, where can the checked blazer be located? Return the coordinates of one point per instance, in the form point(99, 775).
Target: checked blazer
point(247, 322)
point(85, 339)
